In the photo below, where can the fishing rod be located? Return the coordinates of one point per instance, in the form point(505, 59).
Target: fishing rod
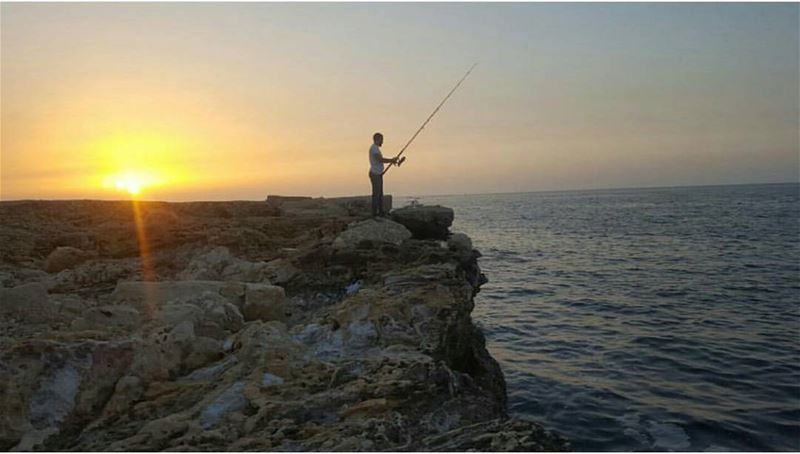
point(427, 120)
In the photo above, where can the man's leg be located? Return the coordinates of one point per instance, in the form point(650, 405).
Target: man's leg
point(380, 195)
point(375, 201)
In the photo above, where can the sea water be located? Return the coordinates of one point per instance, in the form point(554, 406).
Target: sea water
point(645, 319)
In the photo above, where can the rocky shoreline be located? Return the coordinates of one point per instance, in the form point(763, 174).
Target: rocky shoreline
point(292, 325)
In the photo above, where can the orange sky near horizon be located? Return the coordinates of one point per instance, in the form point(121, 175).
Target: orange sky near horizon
point(213, 101)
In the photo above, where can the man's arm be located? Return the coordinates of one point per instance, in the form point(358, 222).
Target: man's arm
point(376, 152)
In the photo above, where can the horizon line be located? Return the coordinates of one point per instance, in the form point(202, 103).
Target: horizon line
point(417, 196)
point(623, 188)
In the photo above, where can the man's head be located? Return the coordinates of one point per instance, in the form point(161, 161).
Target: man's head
point(377, 138)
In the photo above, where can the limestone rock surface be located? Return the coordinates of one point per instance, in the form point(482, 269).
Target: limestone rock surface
point(219, 264)
point(264, 302)
point(372, 231)
point(425, 221)
point(26, 301)
point(245, 327)
point(64, 257)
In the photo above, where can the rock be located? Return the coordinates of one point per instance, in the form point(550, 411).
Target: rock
point(29, 301)
point(93, 273)
point(55, 398)
point(161, 219)
point(155, 359)
point(280, 271)
point(65, 257)
point(270, 380)
point(275, 199)
point(174, 314)
point(361, 205)
point(219, 265)
point(203, 351)
point(161, 225)
point(230, 400)
point(267, 345)
point(149, 297)
point(213, 371)
point(183, 334)
point(6, 279)
point(333, 345)
point(425, 222)
point(405, 280)
point(381, 353)
point(361, 335)
point(371, 231)
point(319, 208)
point(128, 390)
point(496, 435)
point(352, 288)
point(51, 379)
point(264, 302)
point(461, 244)
point(78, 240)
point(156, 433)
point(370, 407)
point(69, 305)
point(325, 343)
point(218, 310)
point(107, 316)
point(211, 314)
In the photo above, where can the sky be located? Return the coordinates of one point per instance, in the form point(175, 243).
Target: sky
point(222, 101)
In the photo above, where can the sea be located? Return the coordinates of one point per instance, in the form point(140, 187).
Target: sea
point(658, 319)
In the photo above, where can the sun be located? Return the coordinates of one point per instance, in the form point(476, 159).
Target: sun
point(133, 187)
point(132, 182)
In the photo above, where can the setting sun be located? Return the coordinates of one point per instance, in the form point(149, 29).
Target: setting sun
point(130, 186)
point(131, 182)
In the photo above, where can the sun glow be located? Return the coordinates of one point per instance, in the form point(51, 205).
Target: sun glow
point(135, 164)
point(132, 182)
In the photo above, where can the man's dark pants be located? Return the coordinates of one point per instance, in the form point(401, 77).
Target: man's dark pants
point(377, 194)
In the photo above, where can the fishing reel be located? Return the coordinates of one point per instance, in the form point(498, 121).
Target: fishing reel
point(402, 160)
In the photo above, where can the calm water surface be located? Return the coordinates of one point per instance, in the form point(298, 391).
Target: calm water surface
point(645, 319)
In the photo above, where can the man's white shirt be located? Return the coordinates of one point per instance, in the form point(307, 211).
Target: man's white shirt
point(375, 160)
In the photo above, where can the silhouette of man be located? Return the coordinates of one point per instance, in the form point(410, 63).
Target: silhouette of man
point(376, 161)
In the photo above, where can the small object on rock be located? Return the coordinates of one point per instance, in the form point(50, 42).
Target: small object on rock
point(426, 222)
point(65, 257)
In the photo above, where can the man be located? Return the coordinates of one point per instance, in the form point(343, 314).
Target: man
point(376, 161)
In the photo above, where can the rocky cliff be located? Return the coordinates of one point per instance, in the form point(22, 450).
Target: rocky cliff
point(244, 326)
